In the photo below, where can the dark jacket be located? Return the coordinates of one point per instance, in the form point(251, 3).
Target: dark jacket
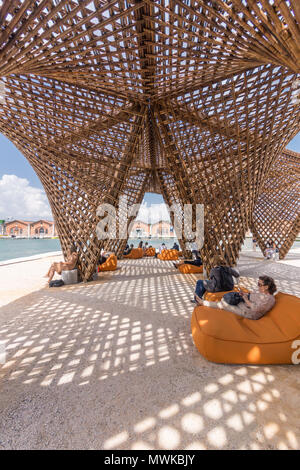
point(220, 281)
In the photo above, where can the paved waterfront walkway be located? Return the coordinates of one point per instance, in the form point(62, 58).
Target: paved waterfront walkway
point(111, 365)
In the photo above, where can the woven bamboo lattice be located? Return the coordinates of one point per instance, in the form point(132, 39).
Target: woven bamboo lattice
point(188, 98)
point(277, 212)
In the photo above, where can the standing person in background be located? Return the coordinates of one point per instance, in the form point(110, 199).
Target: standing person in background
point(254, 244)
point(140, 244)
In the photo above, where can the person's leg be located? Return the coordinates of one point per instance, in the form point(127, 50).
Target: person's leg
point(50, 270)
point(196, 262)
point(176, 265)
point(222, 305)
point(56, 267)
point(208, 303)
point(51, 273)
point(200, 289)
point(189, 262)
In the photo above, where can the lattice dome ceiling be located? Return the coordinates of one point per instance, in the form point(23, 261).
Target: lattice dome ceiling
point(192, 99)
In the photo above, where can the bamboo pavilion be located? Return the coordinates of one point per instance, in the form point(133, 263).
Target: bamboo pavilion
point(193, 99)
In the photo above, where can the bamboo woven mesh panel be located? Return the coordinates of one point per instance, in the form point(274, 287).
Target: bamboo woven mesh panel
point(188, 98)
point(276, 216)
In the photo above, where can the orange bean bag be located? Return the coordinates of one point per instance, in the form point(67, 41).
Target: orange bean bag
point(135, 253)
point(109, 265)
point(224, 337)
point(168, 255)
point(150, 252)
point(179, 253)
point(190, 269)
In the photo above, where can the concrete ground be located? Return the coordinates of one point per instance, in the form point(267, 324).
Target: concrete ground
point(111, 365)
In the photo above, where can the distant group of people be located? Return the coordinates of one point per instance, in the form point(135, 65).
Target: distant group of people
point(145, 246)
point(195, 261)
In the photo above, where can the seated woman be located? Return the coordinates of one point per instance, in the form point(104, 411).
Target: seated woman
point(220, 279)
point(253, 305)
point(67, 265)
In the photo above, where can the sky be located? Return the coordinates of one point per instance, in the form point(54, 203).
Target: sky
point(22, 195)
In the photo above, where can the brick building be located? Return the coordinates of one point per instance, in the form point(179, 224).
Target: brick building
point(18, 228)
point(42, 228)
point(163, 228)
point(21, 228)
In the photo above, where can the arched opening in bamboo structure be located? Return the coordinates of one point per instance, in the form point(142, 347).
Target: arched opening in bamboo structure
point(193, 98)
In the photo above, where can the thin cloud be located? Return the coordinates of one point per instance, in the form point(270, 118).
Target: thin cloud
point(19, 200)
point(153, 213)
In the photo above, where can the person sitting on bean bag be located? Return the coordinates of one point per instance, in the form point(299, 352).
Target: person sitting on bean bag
point(220, 279)
point(253, 305)
point(128, 249)
point(196, 261)
point(103, 257)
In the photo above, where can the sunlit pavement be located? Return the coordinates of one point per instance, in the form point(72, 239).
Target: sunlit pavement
point(112, 365)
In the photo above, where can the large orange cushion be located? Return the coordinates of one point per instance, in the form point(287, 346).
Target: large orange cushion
point(168, 255)
point(224, 337)
point(190, 269)
point(150, 252)
point(135, 253)
point(109, 265)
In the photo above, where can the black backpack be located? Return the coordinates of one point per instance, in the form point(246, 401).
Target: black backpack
point(226, 279)
point(56, 283)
